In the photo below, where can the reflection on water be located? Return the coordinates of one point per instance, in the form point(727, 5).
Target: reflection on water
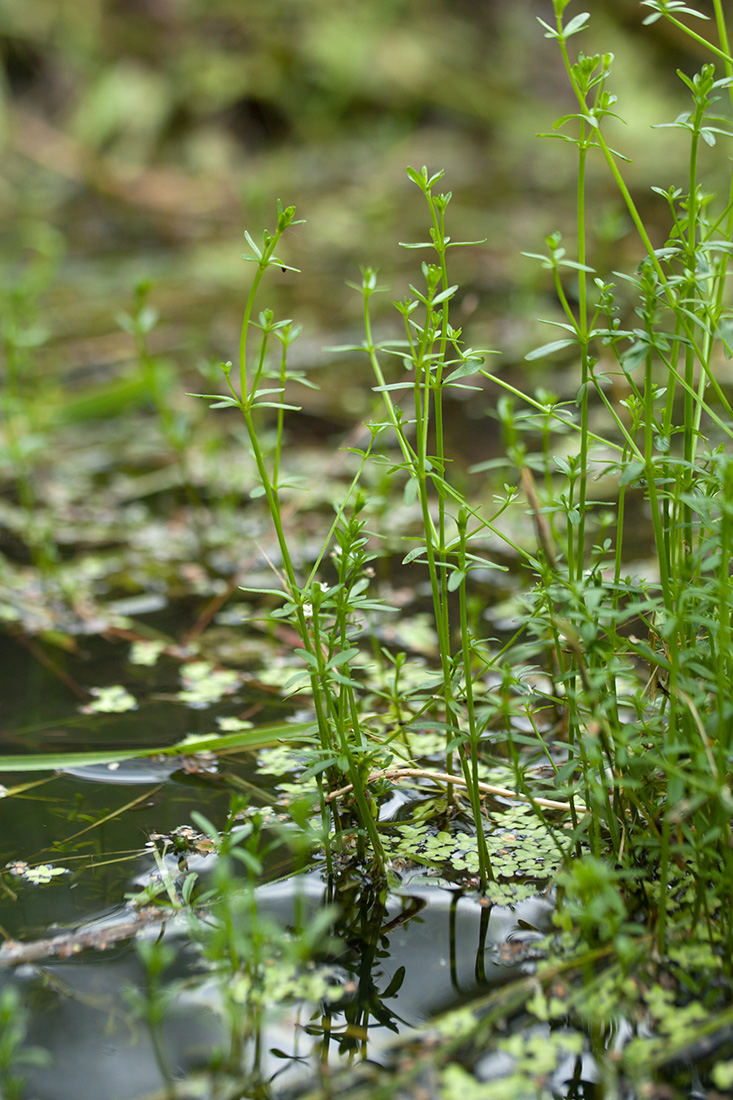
point(389, 960)
point(400, 959)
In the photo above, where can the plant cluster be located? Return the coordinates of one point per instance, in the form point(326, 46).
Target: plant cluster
point(637, 666)
point(610, 699)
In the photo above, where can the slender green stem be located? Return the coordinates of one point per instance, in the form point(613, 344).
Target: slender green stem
point(583, 340)
point(723, 54)
point(472, 777)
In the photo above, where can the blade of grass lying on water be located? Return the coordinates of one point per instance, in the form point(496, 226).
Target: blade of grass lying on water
point(250, 740)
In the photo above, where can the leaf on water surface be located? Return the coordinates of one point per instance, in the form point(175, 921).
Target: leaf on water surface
point(39, 876)
point(114, 699)
point(203, 684)
point(44, 874)
point(146, 652)
point(233, 725)
point(520, 857)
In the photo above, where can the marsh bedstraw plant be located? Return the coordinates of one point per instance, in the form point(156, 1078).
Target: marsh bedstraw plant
point(328, 617)
point(642, 664)
point(322, 615)
point(639, 665)
point(255, 960)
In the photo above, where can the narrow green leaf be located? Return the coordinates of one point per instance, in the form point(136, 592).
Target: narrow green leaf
point(444, 294)
point(343, 657)
point(551, 32)
point(274, 405)
point(548, 349)
point(218, 401)
point(631, 472)
point(255, 248)
point(265, 591)
point(576, 24)
point(467, 369)
point(576, 266)
point(247, 739)
point(465, 244)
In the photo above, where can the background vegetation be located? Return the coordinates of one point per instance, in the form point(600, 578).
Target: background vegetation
point(140, 139)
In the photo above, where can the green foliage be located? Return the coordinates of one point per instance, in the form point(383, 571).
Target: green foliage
point(638, 666)
point(612, 693)
point(650, 752)
point(153, 1003)
point(14, 1055)
point(273, 71)
point(256, 961)
point(590, 900)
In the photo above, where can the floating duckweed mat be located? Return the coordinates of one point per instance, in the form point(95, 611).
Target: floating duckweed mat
point(525, 859)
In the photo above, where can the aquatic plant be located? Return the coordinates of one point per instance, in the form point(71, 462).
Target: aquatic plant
point(602, 717)
point(633, 716)
point(642, 661)
point(636, 666)
point(15, 1055)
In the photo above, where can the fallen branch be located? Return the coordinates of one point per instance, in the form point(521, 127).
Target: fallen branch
point(394, 774)
point(63, 946)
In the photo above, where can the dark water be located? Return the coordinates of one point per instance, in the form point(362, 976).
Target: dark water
point(402, 955)
point(449, 950)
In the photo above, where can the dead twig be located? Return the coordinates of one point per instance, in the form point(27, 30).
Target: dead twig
point(395, 774)
point(67, 944)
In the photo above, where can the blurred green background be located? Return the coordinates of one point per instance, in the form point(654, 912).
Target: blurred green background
point(149, 133)
point(141, 137)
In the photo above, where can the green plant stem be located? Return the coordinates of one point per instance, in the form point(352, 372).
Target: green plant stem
point(472, 777)
point(724, 54)
point(583, 340)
